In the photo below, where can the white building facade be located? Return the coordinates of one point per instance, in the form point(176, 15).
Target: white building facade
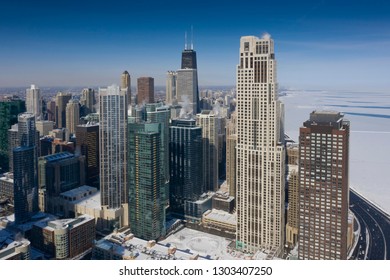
point(113, 152)
point(34, 101)
point(260, 173)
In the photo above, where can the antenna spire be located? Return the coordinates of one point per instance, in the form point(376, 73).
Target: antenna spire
point(185, 40)
point(192, 37)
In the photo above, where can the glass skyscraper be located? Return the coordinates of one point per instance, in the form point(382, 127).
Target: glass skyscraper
point(25, 169)
point(146, 180)
point(186, 164)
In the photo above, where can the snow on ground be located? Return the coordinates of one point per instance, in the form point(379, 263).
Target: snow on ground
point(204, 244)
point(369, 114)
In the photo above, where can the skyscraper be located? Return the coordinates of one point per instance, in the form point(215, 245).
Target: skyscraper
point(145, 90)
point(72, 115)
point(187, 79)
point(13, 142)
point(25, 169)
point(186, 164)
point(51, 110)
point(323, 186)
point(231, 142)
point(170, 97)
point(88, 145)
point(59, 173)
point(188, 59)
point(158, 113)
point(9, 109)
point(62, 100)
point(126, 84)
point(34, 101)
point(146, 180)
point(113, 153)
point(260, 150)
point(292, 225)
point(87, 101)
point(187, 88)
point(208, 121)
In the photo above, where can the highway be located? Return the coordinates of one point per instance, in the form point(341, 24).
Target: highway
point(374, 239)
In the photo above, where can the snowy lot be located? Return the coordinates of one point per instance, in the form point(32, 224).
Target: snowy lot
point(204, 244)
point(369, 114)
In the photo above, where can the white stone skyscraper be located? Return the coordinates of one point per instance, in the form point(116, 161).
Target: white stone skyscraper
point(170, 96)
point(72, 115)
point(209, 123)
point(260, 149)
point(113, 155)
point(34, 101)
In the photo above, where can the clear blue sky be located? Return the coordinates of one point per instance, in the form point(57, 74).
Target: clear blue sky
point(319, 44)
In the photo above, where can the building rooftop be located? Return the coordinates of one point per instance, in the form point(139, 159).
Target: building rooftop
point(79, 191)
point(206, 245)
point(204, 197)
point(25, 115)
point(12, 248)
point(7, 177)
point(89, 124)
point(130, 247)
point(221, 216)
point(325, 116)
point(58, 156)
point(223, 195)
point(91, 201)
point(64, 223)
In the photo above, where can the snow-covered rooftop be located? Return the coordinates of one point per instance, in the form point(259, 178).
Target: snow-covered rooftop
point(221, 216)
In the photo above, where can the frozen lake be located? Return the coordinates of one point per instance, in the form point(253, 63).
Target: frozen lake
point(369, 114)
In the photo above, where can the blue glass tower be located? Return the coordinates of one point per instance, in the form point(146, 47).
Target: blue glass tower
point(25, 170)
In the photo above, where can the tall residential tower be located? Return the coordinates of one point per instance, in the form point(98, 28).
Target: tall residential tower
point(113, 154)
point(25, 169)
point(34, 101)
point(126, 84)
point(145, 90)
point(72, 115)
point(323, 186)
point(260, 180)
point(62, 100)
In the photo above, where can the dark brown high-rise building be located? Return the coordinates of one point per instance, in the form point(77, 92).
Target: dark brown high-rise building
point(323, 186)
point(88, 145)
point(145, 90)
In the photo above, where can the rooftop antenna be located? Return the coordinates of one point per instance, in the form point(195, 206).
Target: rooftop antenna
point(185, 40)
point(192, 37)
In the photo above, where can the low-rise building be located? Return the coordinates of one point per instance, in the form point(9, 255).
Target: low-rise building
point(220, 220)
point(223, 201)
point(86, 200)
point(193, 210)
point(16, 250)
point(66, 238)
point(7, 186)
point(124, 246)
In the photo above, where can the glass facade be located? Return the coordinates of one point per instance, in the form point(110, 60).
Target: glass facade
point(186, 164)
point(146, 181)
